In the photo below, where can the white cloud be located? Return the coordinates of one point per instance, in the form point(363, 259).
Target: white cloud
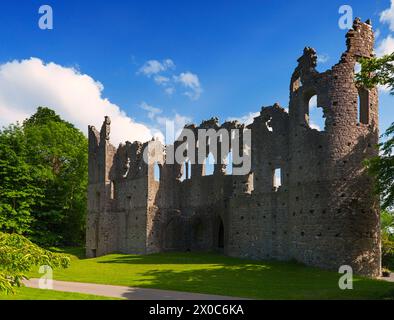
point(314, 126)
point(190, 81)
point(377, 33)
point(169, 81)
point(384, 89)
point(313, 102)
point(323, 58)
point(246, 119)
point(76, 97)
point(152, 111)
point(170, 90)
point(167, 128)
point(386, 46)
point(153, 67)
point(161, 80)
point(175, 123)
point(387, 16)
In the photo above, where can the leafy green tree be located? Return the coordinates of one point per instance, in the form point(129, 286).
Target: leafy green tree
point(59, 150)
point(18, 190)
point(374, 72)
point(18, 256)
point(377, 71)
point(382, 168)
point(387, 225)
point(387, 221)
point(380, 71)
point(43, 180)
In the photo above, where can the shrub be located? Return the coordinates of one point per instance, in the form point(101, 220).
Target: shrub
point(19, 255)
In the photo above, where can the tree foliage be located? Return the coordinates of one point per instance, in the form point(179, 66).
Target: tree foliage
point(380, 71)
point(60, 151)
point(382, 168)
point(18, 190)
point(43, 179)
point(387, 226)
point(19, 255)
point(377, 71)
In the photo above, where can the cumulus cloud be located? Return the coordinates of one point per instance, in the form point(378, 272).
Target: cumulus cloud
point(163, 75)
point(386, 46)
point(247, 119)
point(323, 58)
point(387, 16)
point(313, 102)
point(190, 81)
point(172, 126)
point(168, 128)
point(314, 126)
point(152, 111)
point(170, 90)
point(153, 67)
point(76, 97)
point(161, 80)
point(166, 83)
point(377, 33)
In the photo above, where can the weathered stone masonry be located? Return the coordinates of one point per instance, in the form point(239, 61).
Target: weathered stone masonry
point(324, 213)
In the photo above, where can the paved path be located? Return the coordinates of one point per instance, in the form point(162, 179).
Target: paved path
point(389, 279)
point(129, 293)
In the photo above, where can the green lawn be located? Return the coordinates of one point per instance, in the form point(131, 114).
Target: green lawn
point(218, 274)
point(37, 294)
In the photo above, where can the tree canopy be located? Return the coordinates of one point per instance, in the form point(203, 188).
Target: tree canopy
point(43, 179)
point(374, 72)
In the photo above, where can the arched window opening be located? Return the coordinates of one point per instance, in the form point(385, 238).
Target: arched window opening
point(156, 172)
point(186, 170)
point(357, 67)
point(112, 195)
point(315, 115)
point(268, 124)
point(209, 165)
point(277, 178)
point(363, 106)
point(189, 169)
point(183, 177)
point(229, 163)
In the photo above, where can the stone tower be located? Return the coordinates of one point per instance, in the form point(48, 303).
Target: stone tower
point(322, 212)
point(341, 223)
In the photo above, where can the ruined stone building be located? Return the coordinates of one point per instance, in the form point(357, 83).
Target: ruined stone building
point(322, 212)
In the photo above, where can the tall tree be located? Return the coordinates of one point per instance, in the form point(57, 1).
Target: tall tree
point(380, 71)
point(43, 179)
point(59, 150)
point(18, 190)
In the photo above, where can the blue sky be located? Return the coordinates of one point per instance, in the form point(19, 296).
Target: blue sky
point(228, 58)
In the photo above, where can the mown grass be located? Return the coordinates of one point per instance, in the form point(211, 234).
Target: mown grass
point(218, 274)
point(24, 293)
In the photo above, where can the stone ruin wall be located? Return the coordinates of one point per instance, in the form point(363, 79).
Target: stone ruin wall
point(324, 213)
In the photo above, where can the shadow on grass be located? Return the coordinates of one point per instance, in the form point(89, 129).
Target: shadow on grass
point(215, 274)
point(186, 258)
point(74, 251)
point(261, 282)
